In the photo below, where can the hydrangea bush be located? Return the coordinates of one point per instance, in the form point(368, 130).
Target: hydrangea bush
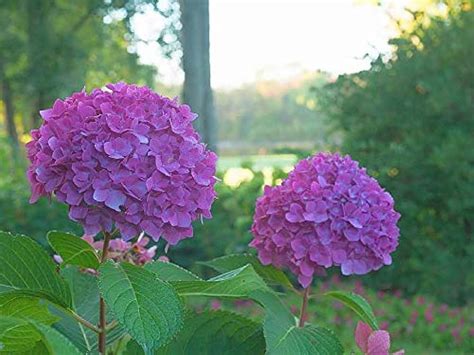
point(128, 163)
point(328, 212)
point(124, 156)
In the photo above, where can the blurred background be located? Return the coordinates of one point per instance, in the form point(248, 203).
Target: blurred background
point(388, 82)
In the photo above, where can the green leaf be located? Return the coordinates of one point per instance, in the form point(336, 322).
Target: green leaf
point(239, 283)
point(85, 293)
point(133, 348)
point(217, 332)
point(25, 307)
point(56, 342)
point(17, 334)
point(283, 337)
point(310, 340)
point(73, 250)
point(146, 306)
point(280, 331)
point(269, 273)
point(170, 272)
point(358, 304)
point(26, 268)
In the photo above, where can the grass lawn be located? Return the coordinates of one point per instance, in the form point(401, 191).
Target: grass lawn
point(259, 162)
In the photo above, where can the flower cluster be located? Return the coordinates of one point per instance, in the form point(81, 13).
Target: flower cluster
point(328, 212)
point(125, 156)
point(119, 250)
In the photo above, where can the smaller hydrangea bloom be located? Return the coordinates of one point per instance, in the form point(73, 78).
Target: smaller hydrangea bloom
point(373, 342)
point(328, 212)
point(119, 250)
point(127, 156)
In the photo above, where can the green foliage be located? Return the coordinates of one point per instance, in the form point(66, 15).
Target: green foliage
point(420, 325)
point(268, 273)
point(270, 111)
point(358, 304)
point(410, 120)
point(85, 303)
point(25, 325)
point(306, 341)
point(26, 269)
point(73, 250)
point(55, 342)
point(228, 231)
point(146, 306)
point(25, 307)
point(17, 334)
point(239, 283)
point(217, 332)
point(170, 272)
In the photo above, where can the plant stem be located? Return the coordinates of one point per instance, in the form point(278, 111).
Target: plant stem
point(102, 319)
point(83, 321)
point(303, 307)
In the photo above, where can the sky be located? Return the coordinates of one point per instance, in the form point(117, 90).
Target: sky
point(278, 39)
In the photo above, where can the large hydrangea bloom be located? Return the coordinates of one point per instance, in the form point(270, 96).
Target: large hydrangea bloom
point(328, 212)
point(125, 156)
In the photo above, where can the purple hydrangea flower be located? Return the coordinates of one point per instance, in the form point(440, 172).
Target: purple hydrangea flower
point(328, 212)
point(125, 156)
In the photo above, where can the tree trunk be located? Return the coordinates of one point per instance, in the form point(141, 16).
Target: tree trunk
point(197, 90)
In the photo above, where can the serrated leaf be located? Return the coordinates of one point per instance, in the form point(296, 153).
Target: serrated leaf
point(146, 306)
point(26, 268)
point(40, 348)
point(85, 293)
point(237, 283)
point(358, 304)
point(310, 340)
point(217, 332)
point(170, 272)
point(25, 307)
point(17, 335)
point(283, 337)
point(269, 273)
point(279, 327)
point(73, 250)
point(56, 342)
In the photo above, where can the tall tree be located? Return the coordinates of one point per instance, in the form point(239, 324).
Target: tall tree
point(197, 90)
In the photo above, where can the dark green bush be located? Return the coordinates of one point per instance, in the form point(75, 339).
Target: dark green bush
point(410, 120)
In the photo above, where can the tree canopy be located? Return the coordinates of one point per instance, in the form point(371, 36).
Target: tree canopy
point(410, 119)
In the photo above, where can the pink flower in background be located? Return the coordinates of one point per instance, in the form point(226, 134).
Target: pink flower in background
point(359, 288)
point(125, 156)
point(119, 250)
point(443, 308)
point(429, 315)
point(215, 305)
point(373, 342)
point(420, 300)
point(397, 294)
point(413, 317)
point(328, 212)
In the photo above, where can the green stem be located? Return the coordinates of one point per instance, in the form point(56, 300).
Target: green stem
point(82, 321)
point(102, 317)
point(304, 305)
